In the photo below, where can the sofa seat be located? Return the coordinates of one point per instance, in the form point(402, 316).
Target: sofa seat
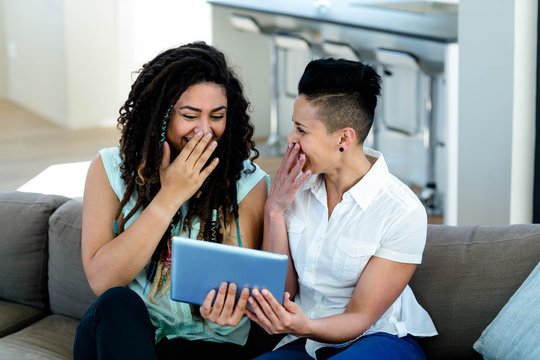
point(14, 317)
point(49, 338)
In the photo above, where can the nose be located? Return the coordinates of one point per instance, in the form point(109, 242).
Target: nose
point(204, 124)
point(291, 138)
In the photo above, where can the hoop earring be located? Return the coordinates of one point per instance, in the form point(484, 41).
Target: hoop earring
point(164, 123)
point(341, 149)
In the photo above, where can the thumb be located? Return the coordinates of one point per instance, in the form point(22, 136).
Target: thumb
point(288, 304)
point(166, 160)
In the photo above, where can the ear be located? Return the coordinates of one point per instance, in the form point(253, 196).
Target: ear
point(347, 138)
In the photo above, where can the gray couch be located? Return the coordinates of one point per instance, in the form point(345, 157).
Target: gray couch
point(467, 275)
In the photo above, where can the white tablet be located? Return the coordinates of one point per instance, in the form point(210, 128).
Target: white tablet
point(199, 266)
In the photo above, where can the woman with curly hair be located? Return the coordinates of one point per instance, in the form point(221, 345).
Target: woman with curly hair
point(184, 166)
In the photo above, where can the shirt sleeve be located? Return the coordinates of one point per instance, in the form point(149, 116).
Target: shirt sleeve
point(111, 162)
point(405, 238)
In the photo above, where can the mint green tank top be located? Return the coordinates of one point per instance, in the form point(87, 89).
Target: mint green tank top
point(173, 319)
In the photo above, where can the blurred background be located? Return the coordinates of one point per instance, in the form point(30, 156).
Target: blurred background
point(66, 66)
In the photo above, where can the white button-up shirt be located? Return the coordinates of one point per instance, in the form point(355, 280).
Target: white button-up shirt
point(379, 216)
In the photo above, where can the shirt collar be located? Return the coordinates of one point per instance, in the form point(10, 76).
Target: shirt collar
point(375, 180)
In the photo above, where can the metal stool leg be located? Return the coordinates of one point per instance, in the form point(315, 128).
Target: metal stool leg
point(273, 145)
point(429, 194)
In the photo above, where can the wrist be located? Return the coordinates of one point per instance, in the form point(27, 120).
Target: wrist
point(166, 204)
point(272, 211)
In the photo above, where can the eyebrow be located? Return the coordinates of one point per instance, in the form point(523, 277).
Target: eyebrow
point(298, 124)
point(222, 107)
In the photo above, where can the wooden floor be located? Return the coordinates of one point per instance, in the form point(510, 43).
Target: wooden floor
point(29, 144)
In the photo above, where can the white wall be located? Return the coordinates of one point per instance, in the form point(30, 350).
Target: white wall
point(147, 27)
point(3, 71)
point(497, 72)
point(90, 55)
point(70, 61)
point(35, 63)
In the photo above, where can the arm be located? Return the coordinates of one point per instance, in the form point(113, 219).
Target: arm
point(115, 261)
point(251, 216)
point(286, 183)
point(379, 286)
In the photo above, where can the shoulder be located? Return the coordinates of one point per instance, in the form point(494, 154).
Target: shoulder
point(110, 155)
point(250, 176)
point(111, 163)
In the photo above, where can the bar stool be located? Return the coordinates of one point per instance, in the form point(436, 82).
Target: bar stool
point(280, 40)
point(404, 76)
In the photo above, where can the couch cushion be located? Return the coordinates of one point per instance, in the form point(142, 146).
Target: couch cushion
point(467, 275)
point(514, 334)
point(69, 291)
point(24, 220)
point(49, 338)
point(14, 316)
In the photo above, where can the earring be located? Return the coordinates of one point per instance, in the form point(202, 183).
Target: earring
point(164, 125)
point(341, 149)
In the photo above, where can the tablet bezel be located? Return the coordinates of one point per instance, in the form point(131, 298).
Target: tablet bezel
point(199, 266)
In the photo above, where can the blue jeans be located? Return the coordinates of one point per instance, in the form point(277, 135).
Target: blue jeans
point(118, 326)
point(377, 346)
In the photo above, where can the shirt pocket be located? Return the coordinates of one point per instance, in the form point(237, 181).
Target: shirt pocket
point(350, 258)
point(295, 231)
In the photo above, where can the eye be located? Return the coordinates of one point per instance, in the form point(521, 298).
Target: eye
point(189, 116)
point(217, 116)
point(300, 130)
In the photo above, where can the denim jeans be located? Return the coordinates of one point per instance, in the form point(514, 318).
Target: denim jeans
point(377, 346)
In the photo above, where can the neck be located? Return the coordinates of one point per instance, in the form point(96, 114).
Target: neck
point(353, 167)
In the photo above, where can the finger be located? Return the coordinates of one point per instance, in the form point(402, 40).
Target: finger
point(204, 156)
point(220, 299)
point(286, 161)
point(191, 144)
point(206, 307)
point(292, 157)
point(242, 302)
point(166, 159)
point(228, 306)
point(265, 307)
point(200, 147)
point(277, 308)
point(288, 304)
point(256, 314)
point(209, 168)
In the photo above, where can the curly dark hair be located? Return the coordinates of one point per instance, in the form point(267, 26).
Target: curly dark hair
point(158, 86)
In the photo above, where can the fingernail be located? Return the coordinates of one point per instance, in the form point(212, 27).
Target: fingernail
point(213, 144)
point(209, 135)
point(199, 133)
point(290, 145)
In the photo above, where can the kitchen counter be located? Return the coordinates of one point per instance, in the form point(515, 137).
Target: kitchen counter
point(433, 21)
